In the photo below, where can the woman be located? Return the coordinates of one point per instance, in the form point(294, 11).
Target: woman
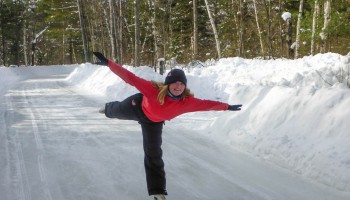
point(156, 103)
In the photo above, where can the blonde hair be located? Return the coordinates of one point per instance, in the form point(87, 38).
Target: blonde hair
point(163, 90)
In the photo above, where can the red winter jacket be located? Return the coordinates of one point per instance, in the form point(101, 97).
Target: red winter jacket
point(171, 108)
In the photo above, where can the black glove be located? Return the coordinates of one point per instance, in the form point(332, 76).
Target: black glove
point(102, 58)
point(234, 107)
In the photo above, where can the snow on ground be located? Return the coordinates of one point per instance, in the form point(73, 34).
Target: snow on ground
point(295, 112)
point(10, 76)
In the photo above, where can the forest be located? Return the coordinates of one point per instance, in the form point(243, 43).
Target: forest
point(140, 32)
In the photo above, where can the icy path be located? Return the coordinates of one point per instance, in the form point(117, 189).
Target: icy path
point(55, 146)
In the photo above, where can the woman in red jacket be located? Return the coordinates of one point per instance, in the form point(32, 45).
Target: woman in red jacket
point(156, 103)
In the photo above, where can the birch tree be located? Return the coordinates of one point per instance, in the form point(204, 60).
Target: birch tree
point(25, 49)
point(121, 39)
point(115, 30)
point(327, 19)
point(36, 39)
point(195, 31)
point(217, 42)
point(297, 41)
point(110, 22)
point(241, 25)
point(314, 20)
point(137, 34)
point(268, 18)
point(287, 17)
point(258, 27)
point(281, 29)
point(83, 30)
point(152, 7)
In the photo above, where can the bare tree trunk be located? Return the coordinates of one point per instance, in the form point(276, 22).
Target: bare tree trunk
point(16, 45)
point(167, 30)
point(259, 31)
point(214, 30)
point(112, 28)
point(116, 30)
point(154, 34)
point(241, 24)
point(3, 54)
point(120, 30)
point(94, 44)
point(108, 15)
point(63, 48)
point(137, 34)
point(268, 16)
point(128, 38)
point(281, 30)
point(109, 31)
point(36, 39)
point(83, 33)
point(235, 22)
point(70, 50)
point(297, 41)
point(195, 31)
point(25, 50)
point(289, 37)
point(314, 18)
point(32, 51)
point(327, 19)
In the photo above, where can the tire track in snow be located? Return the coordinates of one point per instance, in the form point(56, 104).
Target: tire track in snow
point(17, 165)
point(38, 141)
point(24, 189)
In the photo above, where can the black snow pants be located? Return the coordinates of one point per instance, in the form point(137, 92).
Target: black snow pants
point(130, 109)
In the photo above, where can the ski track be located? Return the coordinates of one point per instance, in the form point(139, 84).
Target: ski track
point(17, 168)
point(34, 117)
point(56, 146)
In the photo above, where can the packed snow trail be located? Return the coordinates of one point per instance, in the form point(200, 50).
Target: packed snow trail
point(54, 145)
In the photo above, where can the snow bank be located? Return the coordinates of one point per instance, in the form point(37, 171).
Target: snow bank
point(11, 75)
point(294, 114)
point(8, 77)
point(100, 80)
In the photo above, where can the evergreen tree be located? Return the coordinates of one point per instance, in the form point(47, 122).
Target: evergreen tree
point(11, 22)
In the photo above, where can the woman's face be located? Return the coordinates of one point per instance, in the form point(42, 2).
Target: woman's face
point(177, 88)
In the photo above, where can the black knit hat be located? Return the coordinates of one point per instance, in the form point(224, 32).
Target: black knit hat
point(175, 75)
